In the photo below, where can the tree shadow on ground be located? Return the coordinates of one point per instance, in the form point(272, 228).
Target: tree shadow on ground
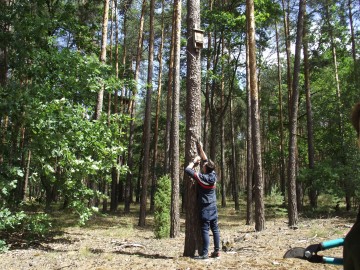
point(144, 255)
point(21, 241)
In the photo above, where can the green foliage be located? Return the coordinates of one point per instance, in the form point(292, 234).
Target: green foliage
point(31, 226)
point(8, 182)
point(275, 197)
point(3, 246)
point(323, 177)
point(162, 207)
point(64, 139)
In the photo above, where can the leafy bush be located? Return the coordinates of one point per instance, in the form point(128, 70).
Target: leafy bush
point(3, 246)
point(30, 226)
point(162, 207)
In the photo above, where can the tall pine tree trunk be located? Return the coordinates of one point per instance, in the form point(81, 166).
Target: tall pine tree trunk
point(4, 119)
point(193, 128)
point(234, 175)
point(286, 12)
point(207, 87)
point(114, 174)
point(222, 127)
point(255, 115)
point(309, 116)
point(169, 97)
point(292, 201)
point(352, 32)
point(100, 98)
point(175, 214)
point(249, 155)
point(281, 119)
point(130, 159)
point(156, 129)
point(147, 122)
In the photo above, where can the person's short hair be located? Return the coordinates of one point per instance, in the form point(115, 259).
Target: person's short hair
point(210, 166)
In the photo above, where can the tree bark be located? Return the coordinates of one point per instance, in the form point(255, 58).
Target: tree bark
point(233, 162)
point(193, 128)
point(169, 97)
point(147, 122)
point(353, 46)
point(292, 203)
point(255, 119)
point(222, 128)
point(175, 215)
point(130, 159)
point(114, 174)
point(249, 155)
point(309, 116)
point(4, 52)
point(288, 49)
point(281, 119)
point(207, 87)
point(156, 129)
point(100, 98)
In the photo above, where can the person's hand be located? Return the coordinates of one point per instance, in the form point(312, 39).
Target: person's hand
point(197, 160)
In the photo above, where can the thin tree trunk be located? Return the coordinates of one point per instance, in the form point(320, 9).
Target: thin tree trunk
point(112, 10)
point(123, 97)
point(353, 48)
point(175, 214)
point(234, 177)
point(156, 129)
point(288, 49)
point(309, 116)
point(114, 174)
point(207, 87)
point(100, 98)
point(130, 160)
point(281, 119)
point(249, 156)
point(255, 115)
point(222, 128)
point(147, 122)
point(26, 176)
point(3, 56)
point(292, 201)
point(348, 190)
point(169, 97)
point(4, 127)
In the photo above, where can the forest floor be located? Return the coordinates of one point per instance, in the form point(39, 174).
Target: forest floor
point(116, 242)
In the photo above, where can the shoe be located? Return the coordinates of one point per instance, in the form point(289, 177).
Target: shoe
point(215, 254)
point(202, 257)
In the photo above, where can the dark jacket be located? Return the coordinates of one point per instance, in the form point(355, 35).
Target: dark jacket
point(206, 186)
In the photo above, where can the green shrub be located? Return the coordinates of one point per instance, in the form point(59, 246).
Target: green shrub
point(31, 226)
point(3, 246)
point(162, 207)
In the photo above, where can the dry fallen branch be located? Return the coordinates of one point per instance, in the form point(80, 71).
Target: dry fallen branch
point(128, 245)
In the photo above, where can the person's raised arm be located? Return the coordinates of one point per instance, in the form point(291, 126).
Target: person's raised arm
point(201, 150)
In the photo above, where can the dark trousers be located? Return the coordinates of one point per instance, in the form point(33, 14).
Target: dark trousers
point(209, 220)
point(351, 252)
